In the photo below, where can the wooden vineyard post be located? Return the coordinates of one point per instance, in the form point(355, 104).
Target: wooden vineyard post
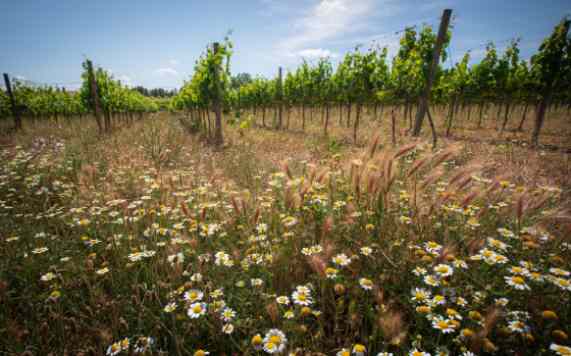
point(540, 117)
point(326, 119)
point(218, 138)
point(423, 104)
point(432, 127)
point(280, 98)
point(393, 128)
point(94, 95)
point(15, 111)
point(356, 123)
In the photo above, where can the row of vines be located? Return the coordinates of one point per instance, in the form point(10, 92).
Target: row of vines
point(40, 102)
point(369, 79)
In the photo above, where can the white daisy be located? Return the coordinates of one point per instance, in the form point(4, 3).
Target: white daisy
point(170, 307)
point(48, 277)
point(432, 247)
point(193, 295)
point(559, 272)
point(341, 260)
point(420, 295)
point(516, 282)
point(196, 310)
point(431, 280)
point(419, 271)
point(284, 300)
point(366, 284)
point(562, 283)
point(443, 270)
point(228, 329)
point(301, 297)
point(438, 300)
point(39, 250)
point(275, 341)
point(444, 325)
point(498, 244)
point(114, 349)
point(560, 349)
point(228, 314)
point(366, 251)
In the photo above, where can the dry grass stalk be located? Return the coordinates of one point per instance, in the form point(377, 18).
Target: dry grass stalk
point(418, 164)
point(393, 326)
point(318, 265)
point(404, 150)
point(375, 145)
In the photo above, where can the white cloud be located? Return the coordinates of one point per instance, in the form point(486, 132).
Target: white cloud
point(311, 53)
point(173, 62)
point(390, 39)
point(328, 20)
point(166, 71)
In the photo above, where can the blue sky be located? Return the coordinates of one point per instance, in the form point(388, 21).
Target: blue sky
point(155, 43)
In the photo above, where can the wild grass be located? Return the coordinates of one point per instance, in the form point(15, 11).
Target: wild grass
point(146, 241)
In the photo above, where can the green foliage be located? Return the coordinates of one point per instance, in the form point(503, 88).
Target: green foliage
point(366, 77)
point(114, 96)
point(410, 66)
point(551, 66)
point(4, 105)
point(42, 101)
point(46, 101)
point(204, 87)
point(458, 79)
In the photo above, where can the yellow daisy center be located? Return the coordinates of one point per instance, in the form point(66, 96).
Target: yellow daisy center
point(442, 324)
point(257, 340)
point(518, 280)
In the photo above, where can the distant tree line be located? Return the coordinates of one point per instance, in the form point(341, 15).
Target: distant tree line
point(156, 92)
